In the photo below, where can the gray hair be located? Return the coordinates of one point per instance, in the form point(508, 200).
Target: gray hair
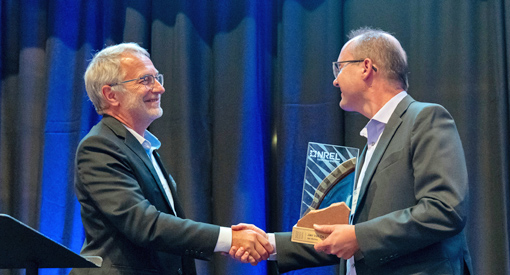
point(384, 50)
point(104, 69)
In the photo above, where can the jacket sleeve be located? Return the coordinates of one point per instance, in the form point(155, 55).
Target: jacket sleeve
point(292, 256)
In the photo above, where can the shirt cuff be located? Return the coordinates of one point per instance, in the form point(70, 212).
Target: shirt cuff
point(224, 240)
point(272, 240)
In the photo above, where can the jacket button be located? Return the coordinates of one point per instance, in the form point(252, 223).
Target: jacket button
point(179, 271)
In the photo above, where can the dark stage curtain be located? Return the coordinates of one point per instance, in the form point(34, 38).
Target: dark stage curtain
point(248, 85)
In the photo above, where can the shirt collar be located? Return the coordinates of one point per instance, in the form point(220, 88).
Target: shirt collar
point(149, 142)
point(376, 125)
point(384, 114)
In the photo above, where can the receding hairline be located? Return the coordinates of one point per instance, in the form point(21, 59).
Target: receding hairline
point(383, 49)
point(354, 40)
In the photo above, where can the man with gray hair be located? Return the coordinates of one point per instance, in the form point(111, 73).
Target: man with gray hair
point(409, 205)
point(129, 206)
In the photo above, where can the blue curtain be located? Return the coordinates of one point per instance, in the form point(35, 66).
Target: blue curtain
point(248, 85)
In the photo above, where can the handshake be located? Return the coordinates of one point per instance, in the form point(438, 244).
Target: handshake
point(250, 244)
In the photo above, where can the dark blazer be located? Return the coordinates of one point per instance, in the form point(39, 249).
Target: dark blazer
point(413, 201)
point(127, 219)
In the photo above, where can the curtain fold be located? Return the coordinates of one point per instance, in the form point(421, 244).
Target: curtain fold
point(499, 239)
point(248, 85)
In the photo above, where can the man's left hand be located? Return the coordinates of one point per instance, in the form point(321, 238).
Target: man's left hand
point(341, 242)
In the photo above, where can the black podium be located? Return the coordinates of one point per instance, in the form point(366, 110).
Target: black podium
point(24, 247)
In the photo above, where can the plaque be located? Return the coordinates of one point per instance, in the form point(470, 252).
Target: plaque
point(327, 189)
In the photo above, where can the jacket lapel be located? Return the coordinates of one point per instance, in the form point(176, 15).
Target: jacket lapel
point(384, 141)
point(171, 184)
point(135, 146)
point(359, 164)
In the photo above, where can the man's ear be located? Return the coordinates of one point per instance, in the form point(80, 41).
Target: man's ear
point(110, 95)
point(368, 68)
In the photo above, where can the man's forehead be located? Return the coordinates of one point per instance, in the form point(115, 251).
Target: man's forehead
point(130, 58)
point(346, 52)
point(141, 63)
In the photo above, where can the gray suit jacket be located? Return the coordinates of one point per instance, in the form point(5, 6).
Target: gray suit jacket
point(127, 219)
point(413, 201)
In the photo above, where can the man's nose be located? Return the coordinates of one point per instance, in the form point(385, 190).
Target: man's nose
point(158, 88)
point(335, 83)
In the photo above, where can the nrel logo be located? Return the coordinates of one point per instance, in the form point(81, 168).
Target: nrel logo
point(324, 155)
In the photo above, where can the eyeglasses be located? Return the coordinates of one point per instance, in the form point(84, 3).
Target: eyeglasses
point(147, 80)
point(337, 66)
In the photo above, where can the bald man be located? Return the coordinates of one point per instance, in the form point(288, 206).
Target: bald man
point(410, 199)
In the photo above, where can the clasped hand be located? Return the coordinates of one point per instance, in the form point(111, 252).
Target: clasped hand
point(251, 241)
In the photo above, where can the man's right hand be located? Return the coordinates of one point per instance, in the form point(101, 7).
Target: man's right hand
point(253, 242)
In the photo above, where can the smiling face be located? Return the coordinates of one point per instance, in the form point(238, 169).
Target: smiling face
point(139, 105)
